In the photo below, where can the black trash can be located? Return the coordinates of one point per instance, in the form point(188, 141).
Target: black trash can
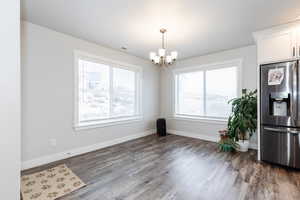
point(161, 127)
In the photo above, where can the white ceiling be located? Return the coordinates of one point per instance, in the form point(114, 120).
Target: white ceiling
point(195, 27)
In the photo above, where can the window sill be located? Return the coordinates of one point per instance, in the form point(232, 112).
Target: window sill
point(105, 123)
point(210, 120)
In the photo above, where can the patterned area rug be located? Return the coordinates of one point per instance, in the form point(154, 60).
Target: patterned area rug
point(50, 184)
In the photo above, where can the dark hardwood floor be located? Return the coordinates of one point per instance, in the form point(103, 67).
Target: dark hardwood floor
point(176, 167)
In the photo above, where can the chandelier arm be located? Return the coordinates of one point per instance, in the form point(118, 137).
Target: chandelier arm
point(166, 41)
point(163, 41)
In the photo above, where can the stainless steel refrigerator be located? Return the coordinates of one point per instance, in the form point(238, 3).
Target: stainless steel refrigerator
point(280, 113)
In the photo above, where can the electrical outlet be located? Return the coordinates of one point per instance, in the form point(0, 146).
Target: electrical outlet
point(53, 142)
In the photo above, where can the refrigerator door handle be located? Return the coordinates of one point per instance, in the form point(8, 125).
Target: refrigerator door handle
point(294, 99)
point(294, 132)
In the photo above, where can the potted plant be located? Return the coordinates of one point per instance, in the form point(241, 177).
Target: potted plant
point(242, 122)
point(226, 143)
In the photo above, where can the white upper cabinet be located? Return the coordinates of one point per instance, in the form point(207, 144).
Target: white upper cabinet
point(275, 47)
point(278, 44)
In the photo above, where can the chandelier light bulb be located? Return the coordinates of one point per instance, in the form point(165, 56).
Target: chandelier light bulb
point(156, 59)
point(169, 59)
point(174, 55)
point(152, 55)
point(162, 52)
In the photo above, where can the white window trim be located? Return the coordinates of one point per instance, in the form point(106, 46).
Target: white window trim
point(110, 121)
point(190, 118)
point(219, 65)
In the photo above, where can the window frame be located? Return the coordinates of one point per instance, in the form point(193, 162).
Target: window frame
point(96, 123)
point(206, 67)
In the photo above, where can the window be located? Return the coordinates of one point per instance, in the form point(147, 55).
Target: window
point(204, 92)
point(106, 92)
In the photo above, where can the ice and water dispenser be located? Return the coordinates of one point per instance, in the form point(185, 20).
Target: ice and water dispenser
point(279, 104)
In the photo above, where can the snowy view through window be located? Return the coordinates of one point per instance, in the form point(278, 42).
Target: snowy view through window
point(123, 92)
point(209, 98)
point(102, 98)
point(191, 93)
point(221, 86)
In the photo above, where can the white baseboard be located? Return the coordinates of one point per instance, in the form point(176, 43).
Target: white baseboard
point(203, 137)
point(74, 152)
point(253, 146)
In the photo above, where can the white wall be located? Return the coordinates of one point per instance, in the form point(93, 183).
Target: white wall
point(207, 129)
point(10, 100)
point(48, 82)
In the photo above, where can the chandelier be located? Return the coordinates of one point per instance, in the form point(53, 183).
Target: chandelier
point(162, 58)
